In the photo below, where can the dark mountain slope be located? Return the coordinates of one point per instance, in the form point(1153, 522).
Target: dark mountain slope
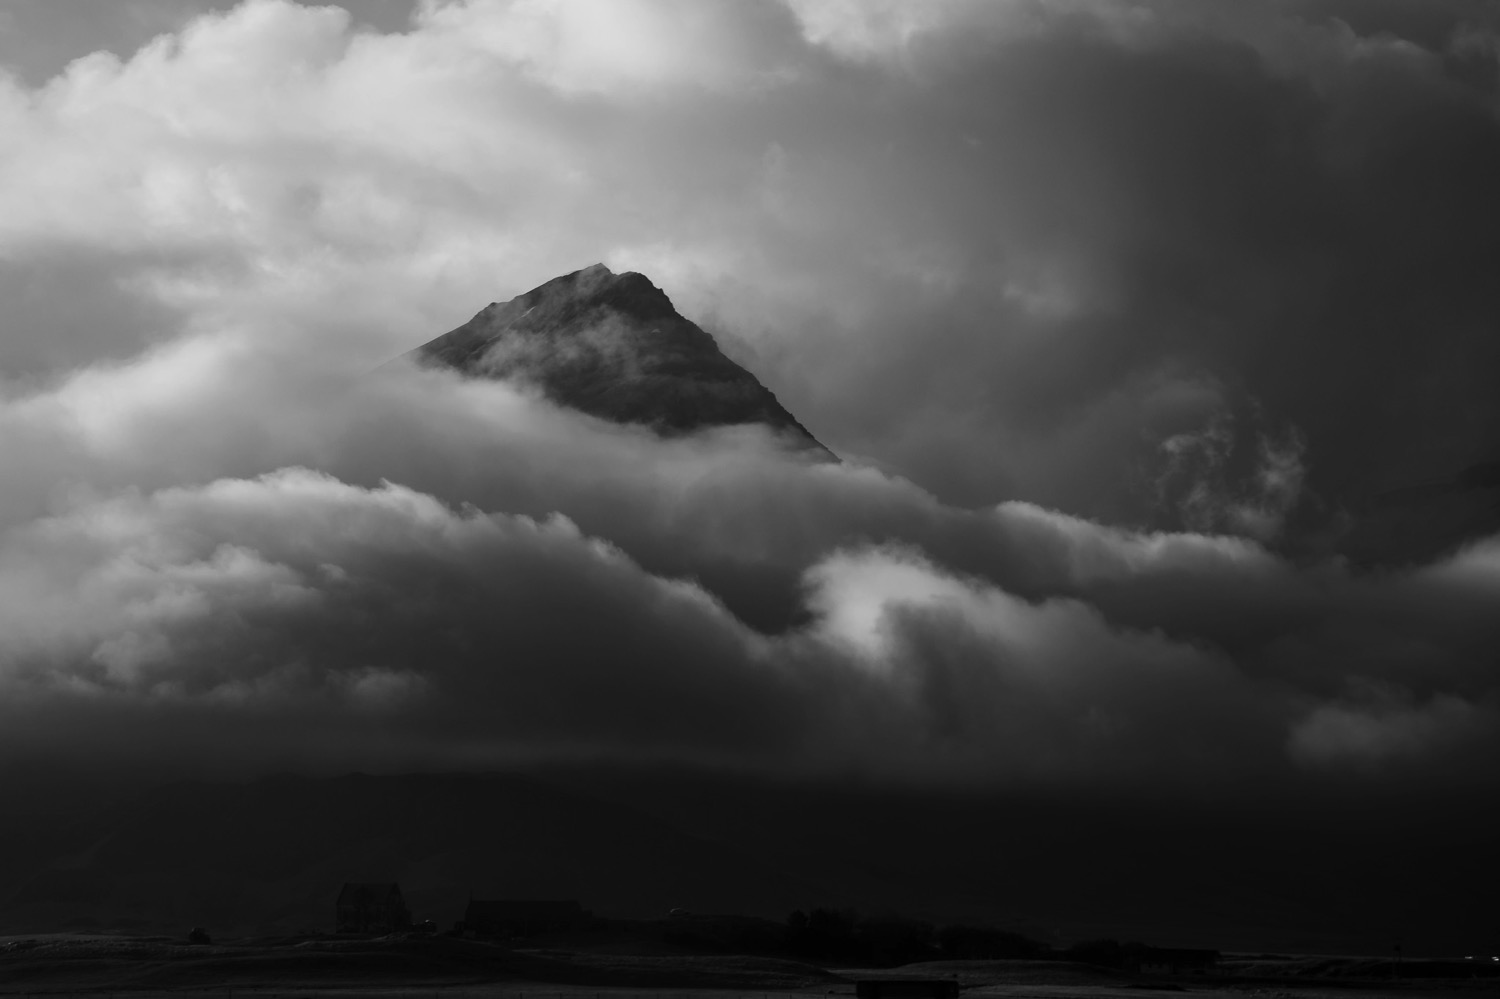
point(613, 346)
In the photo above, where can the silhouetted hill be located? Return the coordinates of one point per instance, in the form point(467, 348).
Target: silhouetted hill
point(1319, 873)
point(270, 856)
point(613, 346)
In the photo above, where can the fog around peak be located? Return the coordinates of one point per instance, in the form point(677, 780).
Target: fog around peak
point(1121, 322)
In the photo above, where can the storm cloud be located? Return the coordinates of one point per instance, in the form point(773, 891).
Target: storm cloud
point(1121, 313)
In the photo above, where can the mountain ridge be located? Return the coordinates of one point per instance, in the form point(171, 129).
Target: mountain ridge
point(613, 346)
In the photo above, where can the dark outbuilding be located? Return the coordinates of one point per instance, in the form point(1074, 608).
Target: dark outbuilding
point(365, 907)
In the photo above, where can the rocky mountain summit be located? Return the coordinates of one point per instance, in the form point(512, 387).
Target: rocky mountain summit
point(613, 346)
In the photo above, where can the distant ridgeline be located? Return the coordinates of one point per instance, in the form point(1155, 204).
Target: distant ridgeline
point(612, 345)
point(514, 917)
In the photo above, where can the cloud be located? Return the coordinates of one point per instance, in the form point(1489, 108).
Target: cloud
point(1199, 480)
point(872, 30)
point(869, 202)
point(1379, 724)
point(455, 634)
point(296, 618)
point(1108, 308)
point(618, 49)
point(295, 593)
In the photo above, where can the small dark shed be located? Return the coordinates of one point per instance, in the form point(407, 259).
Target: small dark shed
point(371, 908)
point(906, 988)
point(521, 917)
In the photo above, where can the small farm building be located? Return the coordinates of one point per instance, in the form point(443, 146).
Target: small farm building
point(371, 908)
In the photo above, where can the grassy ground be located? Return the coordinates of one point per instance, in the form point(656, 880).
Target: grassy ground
point(492, 990)
point(54, 964)
point(62, 966)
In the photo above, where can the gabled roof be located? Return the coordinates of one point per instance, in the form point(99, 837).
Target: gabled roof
point(369, 892)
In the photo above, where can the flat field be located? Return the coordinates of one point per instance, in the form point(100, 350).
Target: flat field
point(60, 966)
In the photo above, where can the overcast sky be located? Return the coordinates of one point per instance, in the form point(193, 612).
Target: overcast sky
point(1161, 338)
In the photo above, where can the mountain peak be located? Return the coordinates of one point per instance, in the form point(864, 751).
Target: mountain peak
point(613, 346)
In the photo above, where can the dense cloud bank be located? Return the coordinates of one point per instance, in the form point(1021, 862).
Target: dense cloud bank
point(1122, 309)
point(337, 618)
